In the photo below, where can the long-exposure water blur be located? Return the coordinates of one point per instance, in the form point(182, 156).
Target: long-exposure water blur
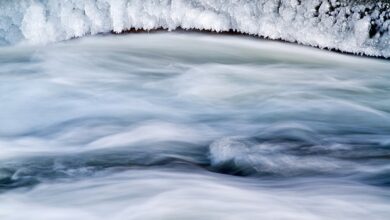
point(192, 126)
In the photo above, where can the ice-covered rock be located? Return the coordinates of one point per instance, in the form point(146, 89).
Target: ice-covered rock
point(360, 27)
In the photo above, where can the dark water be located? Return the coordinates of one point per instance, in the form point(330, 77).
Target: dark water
point(190, 126)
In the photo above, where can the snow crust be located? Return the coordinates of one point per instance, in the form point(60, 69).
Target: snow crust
point(350, 26)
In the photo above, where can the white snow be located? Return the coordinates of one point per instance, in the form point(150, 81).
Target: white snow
point(361, 28)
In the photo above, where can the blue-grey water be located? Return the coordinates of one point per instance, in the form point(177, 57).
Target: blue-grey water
point(192, 126)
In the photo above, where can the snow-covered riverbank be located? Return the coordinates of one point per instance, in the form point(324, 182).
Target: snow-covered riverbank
point(360, 27)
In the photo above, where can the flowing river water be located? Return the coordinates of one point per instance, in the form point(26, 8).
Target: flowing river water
point(192, 126)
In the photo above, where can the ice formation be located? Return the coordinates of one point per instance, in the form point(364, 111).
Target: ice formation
point(360, 27)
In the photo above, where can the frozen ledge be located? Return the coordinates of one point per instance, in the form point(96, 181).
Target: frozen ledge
point(358, 27)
